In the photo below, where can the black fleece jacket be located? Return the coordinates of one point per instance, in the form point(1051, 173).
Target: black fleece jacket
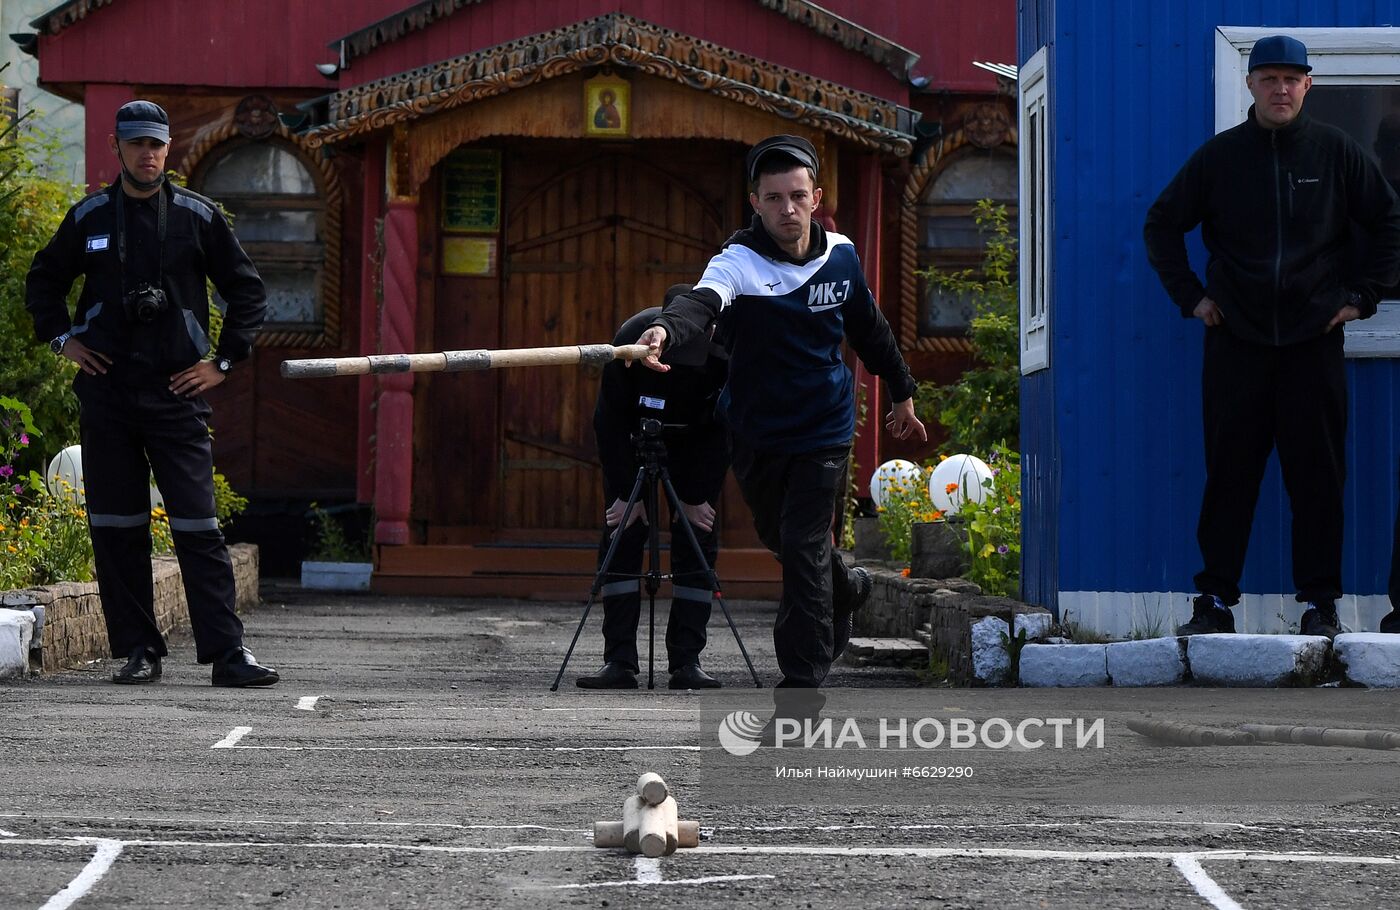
point(1276, 209)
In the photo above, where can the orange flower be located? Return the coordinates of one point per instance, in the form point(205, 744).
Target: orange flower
point(1011, 500)
point(950, 489)
point(904, 571)
point(937, 516)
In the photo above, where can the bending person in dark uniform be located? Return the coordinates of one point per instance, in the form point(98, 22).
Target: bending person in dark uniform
point(697, 448)
point(146, 248)
point(791, 292)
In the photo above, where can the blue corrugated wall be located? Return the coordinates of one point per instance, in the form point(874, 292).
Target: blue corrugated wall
point(1115, 422)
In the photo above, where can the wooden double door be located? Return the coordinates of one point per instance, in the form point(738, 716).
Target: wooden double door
point(591, 237)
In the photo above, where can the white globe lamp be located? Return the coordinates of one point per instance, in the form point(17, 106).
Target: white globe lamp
point(896, 472)
point(967, 475)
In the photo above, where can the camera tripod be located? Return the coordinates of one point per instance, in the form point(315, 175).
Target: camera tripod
point(651, 473)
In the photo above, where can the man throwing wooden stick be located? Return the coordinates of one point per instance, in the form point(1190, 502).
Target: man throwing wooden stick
point(791, 292)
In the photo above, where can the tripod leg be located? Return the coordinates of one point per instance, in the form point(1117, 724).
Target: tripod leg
point(684, 522)
point(653, 577)
point(598, 578)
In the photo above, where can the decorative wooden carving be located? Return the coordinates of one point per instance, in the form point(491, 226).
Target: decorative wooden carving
point(925, 169)
point(256, 117)
point(624, 42)
point(329, 336)
point(60, 17)
point(986, 125)
point(392, 28)
point(898, 60)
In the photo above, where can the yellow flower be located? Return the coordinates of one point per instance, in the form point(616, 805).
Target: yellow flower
point(12, 549)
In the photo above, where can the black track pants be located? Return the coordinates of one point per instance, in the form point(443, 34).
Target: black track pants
point(793, 500)
point(128, 433)
point(691, 595)
point(1395, 565)
point(1257, 399)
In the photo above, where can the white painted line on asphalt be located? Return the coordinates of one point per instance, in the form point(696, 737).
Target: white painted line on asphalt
point(307, 702)
point(1205, 886)
point(233, 737)
point(758, 850)
point(648, 870)
point(927, 826)
point(107, 853)
point(4, 833)
point(637, 883)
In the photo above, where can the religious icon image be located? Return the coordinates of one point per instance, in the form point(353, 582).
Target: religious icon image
point(606, 106)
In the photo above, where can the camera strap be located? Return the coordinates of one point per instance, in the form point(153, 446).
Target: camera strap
point(160, 236)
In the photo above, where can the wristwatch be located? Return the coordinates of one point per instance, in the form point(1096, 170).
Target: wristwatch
point(223, 364)
point(57, 344)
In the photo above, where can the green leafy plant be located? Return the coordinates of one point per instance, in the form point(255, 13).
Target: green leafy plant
point(43, 538)
point(32, 205)
point(905, 504)
point(332, 544)
point(982, 409)
point(994, 527)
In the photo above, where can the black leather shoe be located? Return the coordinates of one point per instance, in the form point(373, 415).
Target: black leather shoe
point(240, 668)
point(1390, 623)
point(843, 616)
point(692, 677)
point(613, 676)
point(143, 666)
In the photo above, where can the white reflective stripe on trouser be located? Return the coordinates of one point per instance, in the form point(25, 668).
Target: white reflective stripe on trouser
point(98, 520)
point(680, 593)
point(613, 589)
point(194, 524)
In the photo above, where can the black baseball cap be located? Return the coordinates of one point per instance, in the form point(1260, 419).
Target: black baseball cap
point(141, 120)
point(795, 147)
point(1279, 50)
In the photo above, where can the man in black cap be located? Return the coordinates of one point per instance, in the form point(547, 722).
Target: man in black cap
point(791, 292)
point(1275, 198)
point(697, 458)
point(140, 337)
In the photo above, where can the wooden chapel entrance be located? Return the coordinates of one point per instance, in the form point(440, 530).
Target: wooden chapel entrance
point(506, 461)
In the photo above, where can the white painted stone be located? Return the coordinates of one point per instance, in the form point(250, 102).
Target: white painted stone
point(991, 664)
point(1037, 625)
point(336, 576)
point(1064, 665)
point(1150, 662)
point(1256, 660)
point(1370, 658)
point(16, 629)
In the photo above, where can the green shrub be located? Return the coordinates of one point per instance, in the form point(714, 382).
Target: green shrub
point(982, 409)
point(32, 205)
point(994, 527)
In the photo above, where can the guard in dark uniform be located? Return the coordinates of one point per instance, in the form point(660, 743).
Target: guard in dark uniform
point(697, 448)
point(140, 336)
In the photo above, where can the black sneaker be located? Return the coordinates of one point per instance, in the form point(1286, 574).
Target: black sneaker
point(1208, 615)
point(1390, 623)
point(1321, 619)
point(843, 616)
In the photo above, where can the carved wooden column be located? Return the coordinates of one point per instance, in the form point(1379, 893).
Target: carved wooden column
point(870, 192)
point(393, 456)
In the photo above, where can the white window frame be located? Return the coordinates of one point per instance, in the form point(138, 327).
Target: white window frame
point(1035, 215)
point(1339, 56)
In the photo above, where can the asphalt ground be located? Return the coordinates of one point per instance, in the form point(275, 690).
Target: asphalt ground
point(413, 756)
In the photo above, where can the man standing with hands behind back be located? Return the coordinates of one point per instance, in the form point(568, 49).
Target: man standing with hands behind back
point(792, 293)
point(145, 249)
point(1275, 197)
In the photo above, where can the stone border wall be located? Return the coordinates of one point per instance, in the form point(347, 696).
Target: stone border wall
point(900, 606)
point(73, 628)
